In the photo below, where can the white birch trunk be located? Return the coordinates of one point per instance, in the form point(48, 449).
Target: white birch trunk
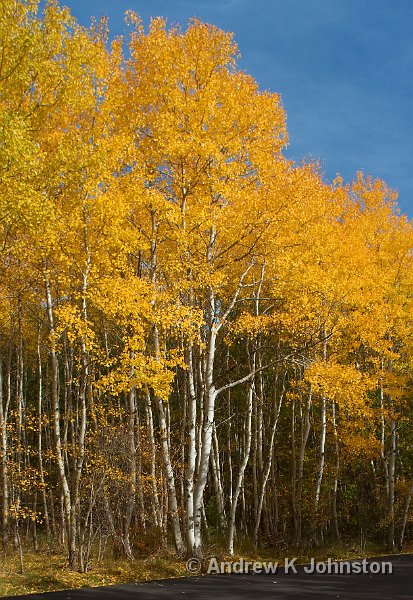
point(190, 471)
point(157, 515)
point(4, 465)
point(67, 505)
point(170, 479)
point(206, 441)
point(323, 433)
point(39, 439)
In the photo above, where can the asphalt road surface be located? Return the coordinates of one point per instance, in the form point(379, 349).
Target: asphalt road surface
point(281, 586)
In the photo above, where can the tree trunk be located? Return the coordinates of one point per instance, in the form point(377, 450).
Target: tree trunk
point(39, 439)
point(323, 432)
point(405, 515)
point(4, 465)
point(243, 466)
point(54, 385)
point(190, 471)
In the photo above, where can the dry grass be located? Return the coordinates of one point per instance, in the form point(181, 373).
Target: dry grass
point(45, 572)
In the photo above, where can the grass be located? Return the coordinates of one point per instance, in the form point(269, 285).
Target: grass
point(47, 571)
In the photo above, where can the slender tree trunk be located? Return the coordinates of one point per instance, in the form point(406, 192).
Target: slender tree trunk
point(391, 470)
point(170, 479)
point(405, 515)
point(19, 400)
point(4, 464)
point(336, 475)
point(190, 471)
point(389, 462)
point(304, 439)
point(294, 469)
point(216, 474)
point(229, 449)
point(157, 515)
point(139, 482)
point(54, 385)
point(39, 439)
point(243, 466)
point(163, 423)
point(268, 465)
point(207, 429)
point(323, 432)
point(130, 504)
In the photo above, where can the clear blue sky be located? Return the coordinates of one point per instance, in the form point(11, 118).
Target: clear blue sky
point(344, 69)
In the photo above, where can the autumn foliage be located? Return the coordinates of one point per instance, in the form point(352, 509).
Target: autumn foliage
point(197, 336)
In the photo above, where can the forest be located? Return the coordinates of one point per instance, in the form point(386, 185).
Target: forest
point(199, 338)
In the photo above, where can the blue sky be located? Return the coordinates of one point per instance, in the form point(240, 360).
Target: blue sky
point(344, 69)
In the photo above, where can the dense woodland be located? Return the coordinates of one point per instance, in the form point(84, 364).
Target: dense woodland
point(198, 337)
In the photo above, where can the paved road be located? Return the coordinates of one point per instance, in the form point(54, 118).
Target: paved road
point(282, 586)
